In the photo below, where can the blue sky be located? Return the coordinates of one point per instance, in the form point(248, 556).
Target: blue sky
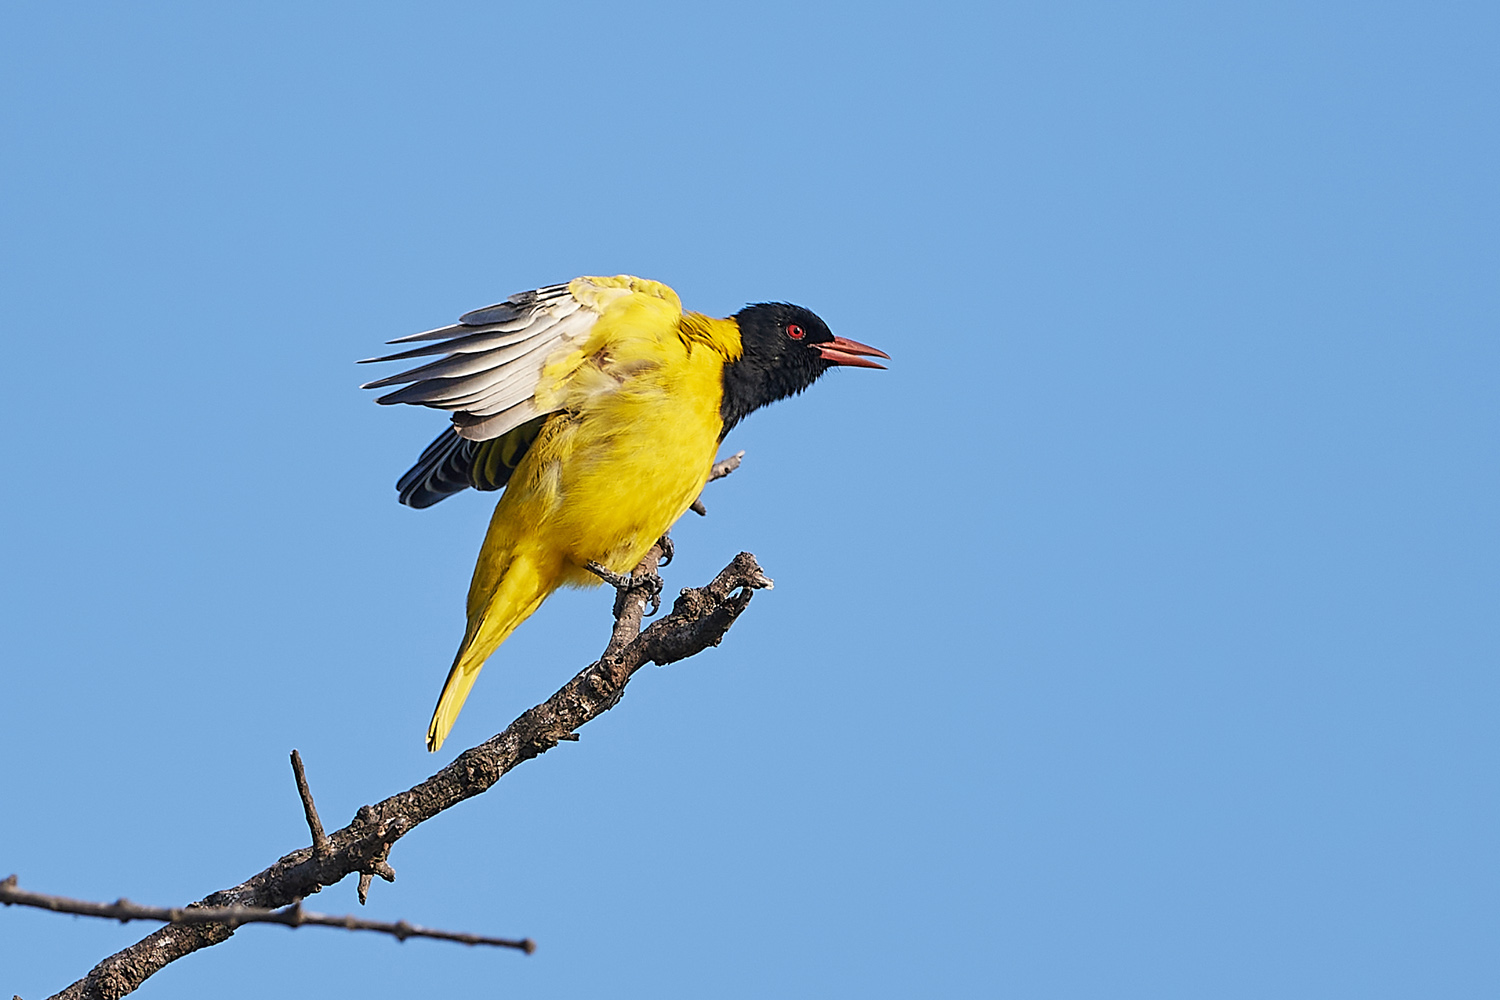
point(1133, 636)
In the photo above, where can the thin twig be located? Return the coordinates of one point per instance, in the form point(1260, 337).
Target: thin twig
point(718, 470)
point(320, 839)
point(366, 876)
point(723, 468)
point(125, 911)
point(699, 618)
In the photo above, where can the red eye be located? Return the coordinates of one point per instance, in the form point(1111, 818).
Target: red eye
point(795, 332)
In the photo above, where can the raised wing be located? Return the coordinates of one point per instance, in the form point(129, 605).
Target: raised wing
point(493, 360)
point(497, 362)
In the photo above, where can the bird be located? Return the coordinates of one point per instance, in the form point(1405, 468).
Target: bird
point(598, 406)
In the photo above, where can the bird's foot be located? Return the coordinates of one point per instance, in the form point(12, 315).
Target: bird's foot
point(623, 583)
point(619, 581)
point(653, 584)
point(668, 550)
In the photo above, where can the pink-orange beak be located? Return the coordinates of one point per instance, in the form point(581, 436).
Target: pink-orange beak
point(851, 353)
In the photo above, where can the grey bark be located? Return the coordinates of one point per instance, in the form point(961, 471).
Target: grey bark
point(699, 618)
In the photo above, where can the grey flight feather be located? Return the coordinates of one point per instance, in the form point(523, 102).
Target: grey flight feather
point(482, 340)
point(513, 306)
point(492, 360)
point(462, 363)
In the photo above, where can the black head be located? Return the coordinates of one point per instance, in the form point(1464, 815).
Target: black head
point(786, 348)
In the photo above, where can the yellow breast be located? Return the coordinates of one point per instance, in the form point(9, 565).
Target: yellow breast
point(632, 445)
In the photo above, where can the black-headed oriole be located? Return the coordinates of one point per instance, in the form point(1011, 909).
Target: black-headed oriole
point(598, 406)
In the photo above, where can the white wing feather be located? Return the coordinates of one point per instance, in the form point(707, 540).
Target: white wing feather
point(493, 360)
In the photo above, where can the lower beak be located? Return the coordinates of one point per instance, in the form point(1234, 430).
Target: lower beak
point(851, 353)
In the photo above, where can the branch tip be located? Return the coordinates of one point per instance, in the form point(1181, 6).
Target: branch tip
point(718, 470)
point(723, 468)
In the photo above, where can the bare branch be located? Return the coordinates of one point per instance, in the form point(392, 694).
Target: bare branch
point(717, 471)
point(125, 911)
point(725, 467)
point(320, 839)
point(699, 618)
point(631, 601)
point(378, 867)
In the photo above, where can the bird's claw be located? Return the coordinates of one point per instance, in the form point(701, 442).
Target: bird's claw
point(619, 581)
point(668, 550)
point(651, 582)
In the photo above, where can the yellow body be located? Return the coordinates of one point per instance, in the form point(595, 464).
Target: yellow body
point(627, 450)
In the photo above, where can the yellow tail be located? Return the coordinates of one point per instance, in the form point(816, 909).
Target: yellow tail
point(520, 592)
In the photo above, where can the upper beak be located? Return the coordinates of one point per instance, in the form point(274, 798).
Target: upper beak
point(851, 353)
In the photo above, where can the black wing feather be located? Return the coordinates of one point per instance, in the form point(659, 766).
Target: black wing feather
point(452, 464)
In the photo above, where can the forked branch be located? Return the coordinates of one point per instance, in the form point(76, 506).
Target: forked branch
point(699, 618)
